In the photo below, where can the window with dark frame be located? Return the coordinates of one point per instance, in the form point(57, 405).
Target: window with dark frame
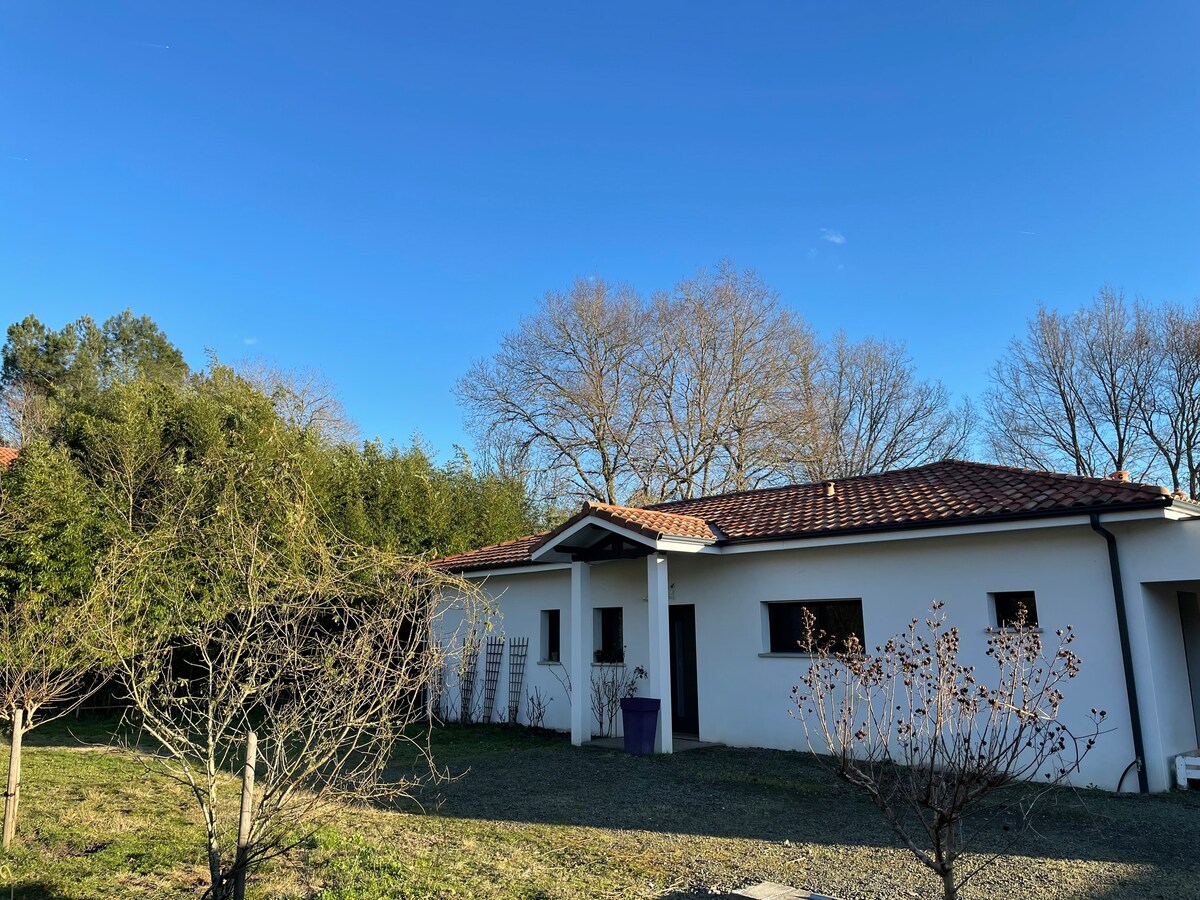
point(1008, 608)
point(610, 636)
point(551, 648)
point(836, 621)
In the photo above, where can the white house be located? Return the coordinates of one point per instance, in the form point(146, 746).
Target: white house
point(705, 594)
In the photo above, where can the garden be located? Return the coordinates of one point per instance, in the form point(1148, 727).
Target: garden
point(523, 814)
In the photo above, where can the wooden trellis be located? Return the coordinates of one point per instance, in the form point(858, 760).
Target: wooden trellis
point(466, 686)
point(437, 689)
point(491, 674)
point(517, 651)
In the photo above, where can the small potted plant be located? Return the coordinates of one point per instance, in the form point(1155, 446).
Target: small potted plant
point(639, 717)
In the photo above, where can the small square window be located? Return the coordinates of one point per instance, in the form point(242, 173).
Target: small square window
point(551, 635)
point(1008, 606)
point(836, 622)
point(608, 634)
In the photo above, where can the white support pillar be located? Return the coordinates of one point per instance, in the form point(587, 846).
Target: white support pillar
point(581, 653)
point(658, 590)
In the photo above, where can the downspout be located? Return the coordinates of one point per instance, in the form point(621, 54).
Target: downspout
point(1135, 713)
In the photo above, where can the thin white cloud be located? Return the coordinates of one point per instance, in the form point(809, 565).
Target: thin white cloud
point(249, 341)
point(834, 237)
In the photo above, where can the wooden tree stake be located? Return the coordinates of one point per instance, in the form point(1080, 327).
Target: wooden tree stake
point(14, 777)
point(239, 878)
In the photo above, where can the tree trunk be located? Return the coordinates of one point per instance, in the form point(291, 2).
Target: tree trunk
point(949, 889)
point(214, 869)
point(244, 817)
point(14, 777)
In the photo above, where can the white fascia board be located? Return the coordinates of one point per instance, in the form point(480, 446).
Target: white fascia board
point(589, 521)
point(667, 546)
point(947, 531)
point(1138, 515)
point(514, 570)
point(1182, 510)
point(682, 545)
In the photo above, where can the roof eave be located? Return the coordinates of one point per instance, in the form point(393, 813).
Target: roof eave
point(652, 538)
point(1152, 503)
point(665, 543)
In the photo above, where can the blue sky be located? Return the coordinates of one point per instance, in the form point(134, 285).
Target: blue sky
point(381, 190)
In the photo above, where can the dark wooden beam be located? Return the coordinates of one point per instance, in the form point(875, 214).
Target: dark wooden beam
point(568, 548)
point(603, 554)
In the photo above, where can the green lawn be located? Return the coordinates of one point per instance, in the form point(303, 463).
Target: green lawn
point(532, 817)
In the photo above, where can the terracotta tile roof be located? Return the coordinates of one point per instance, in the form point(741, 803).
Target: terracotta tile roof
point(942, 493)
point(7, 455)
point(649, 522)
point(646, 522)
point(509, 553)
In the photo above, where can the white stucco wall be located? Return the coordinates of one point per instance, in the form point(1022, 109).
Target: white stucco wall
point(746, 700)
point(1158, 560)
point(518, 601)
point(744, 697)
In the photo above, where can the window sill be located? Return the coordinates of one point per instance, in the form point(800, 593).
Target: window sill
point(995, 629)
point(785, 655)
point(595, 665)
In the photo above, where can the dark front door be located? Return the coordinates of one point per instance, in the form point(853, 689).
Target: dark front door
point(1189, 615)
point(684, 717)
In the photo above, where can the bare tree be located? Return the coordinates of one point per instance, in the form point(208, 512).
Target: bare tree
point(568, 386)
point(303, 398)
point(1067, 395)
point(1035, 407)
point(1117, 368)
point(730, 375)
point(940, 749)
point(48, 667)
point(1169, 406)
point(27, 413)
point(249, 634)
point(874, 413)
point(714, 387)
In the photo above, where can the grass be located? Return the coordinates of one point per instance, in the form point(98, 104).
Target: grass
point(528, 816)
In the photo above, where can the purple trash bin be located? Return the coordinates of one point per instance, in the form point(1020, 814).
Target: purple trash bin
point(639, 718)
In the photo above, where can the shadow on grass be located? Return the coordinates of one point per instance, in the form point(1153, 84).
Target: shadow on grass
point(36, 890)
point(772, 796)
point(82, 732)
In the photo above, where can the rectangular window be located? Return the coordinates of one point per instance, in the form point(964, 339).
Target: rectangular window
point(550, 635)
point(608, 634)
point(1008, 605)
point(836, 621)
